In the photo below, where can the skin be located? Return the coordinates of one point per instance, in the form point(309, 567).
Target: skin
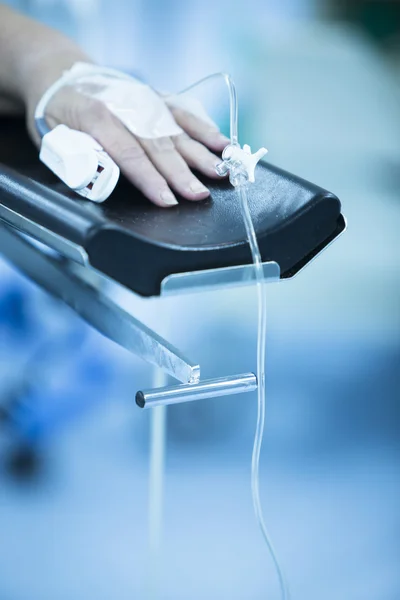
point(34, 56)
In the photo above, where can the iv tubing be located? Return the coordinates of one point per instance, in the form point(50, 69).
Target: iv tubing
point(233, 104)
point(240, 181)
point(261, 391)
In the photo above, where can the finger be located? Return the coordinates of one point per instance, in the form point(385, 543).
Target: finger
point(196, 155)
point(126, 151)
point(200, 130)
point(171, 165)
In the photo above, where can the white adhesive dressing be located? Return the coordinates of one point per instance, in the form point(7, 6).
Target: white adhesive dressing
point(143, 112)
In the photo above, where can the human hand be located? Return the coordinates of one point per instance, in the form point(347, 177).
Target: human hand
point(156, 166)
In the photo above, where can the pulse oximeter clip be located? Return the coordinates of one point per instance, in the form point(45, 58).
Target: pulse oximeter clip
point(74, 156)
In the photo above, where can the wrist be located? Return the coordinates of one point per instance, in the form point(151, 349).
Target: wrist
point(40, 71)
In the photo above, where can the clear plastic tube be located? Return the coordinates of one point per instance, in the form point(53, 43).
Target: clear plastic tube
point(261, 390)
point(233, 104)
point(239, 179)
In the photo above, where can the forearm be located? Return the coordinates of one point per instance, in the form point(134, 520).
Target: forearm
point(33, 56)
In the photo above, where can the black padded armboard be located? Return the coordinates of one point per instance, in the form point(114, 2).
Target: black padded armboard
point(139, 244)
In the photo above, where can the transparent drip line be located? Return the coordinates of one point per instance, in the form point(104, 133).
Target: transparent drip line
point(261, 389)
point(157, 454)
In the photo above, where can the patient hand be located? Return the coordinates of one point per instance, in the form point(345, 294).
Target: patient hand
point(158, 167)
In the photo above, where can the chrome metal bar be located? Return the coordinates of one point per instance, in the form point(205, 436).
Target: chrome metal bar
point(40, 233)
point(98, 310)
point(211, 388)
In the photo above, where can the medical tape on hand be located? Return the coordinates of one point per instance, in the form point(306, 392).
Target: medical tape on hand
point(141, 109)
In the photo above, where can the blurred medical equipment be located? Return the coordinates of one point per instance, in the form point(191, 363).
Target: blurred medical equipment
point(52, 370)
point(191, 247)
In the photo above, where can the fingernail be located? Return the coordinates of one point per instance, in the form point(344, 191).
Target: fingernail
point(198, 188)
point(168, 198)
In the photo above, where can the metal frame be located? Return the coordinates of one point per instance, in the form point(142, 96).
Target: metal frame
point(80, 287)
point(57, 277)
point(43, 235)
point(72, 284)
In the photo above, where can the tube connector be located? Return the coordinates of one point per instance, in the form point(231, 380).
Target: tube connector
point(240, 163)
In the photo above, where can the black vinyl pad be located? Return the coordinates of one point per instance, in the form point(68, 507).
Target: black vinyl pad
point(138, 244)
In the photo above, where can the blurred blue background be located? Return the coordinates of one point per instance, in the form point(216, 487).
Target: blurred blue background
point(318, 85)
